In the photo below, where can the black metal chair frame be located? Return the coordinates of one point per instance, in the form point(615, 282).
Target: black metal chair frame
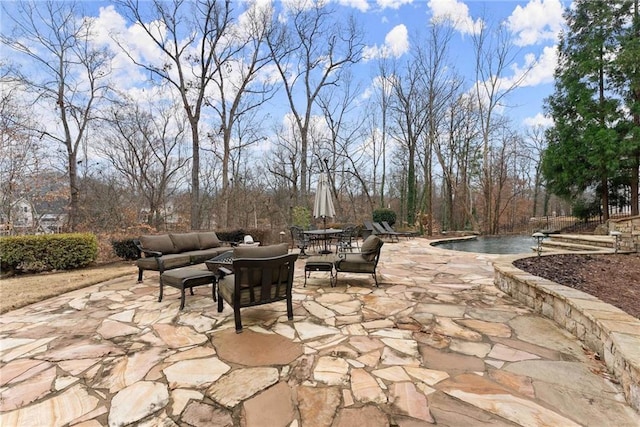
point(257, 281)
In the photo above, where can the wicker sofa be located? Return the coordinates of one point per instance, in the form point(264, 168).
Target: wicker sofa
point(167, 251)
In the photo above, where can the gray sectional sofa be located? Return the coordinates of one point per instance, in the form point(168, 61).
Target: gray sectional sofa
point(166, 251)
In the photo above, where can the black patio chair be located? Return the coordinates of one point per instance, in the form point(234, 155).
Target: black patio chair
point(300, 240)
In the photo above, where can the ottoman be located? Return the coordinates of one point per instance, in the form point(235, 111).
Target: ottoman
point(188, 277)
point(319, 263)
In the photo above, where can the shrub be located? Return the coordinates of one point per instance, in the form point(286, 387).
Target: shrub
point(301, 217)
point(380, 215)
point(584, 208)
point(125, 249)
point(48, 252)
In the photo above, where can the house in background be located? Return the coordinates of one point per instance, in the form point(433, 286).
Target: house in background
point(24, 219)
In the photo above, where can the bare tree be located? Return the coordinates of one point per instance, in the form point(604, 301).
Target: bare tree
point(192, 36)
point(457, 152)
point(310, 51)
point(339, 110)
point(494, 56)
point(147, 149)
point(20, 160)
point(55, 39)
point(533, 151)
point(440, 85)
point(409, 112)
point(241, 89)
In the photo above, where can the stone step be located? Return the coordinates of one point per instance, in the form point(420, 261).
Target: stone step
point(549, 245)
point(579, 239)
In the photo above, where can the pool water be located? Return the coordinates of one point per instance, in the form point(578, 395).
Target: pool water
point(492, 245)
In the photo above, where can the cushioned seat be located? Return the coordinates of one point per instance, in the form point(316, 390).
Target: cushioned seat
point(364, 261)
point(261, 275)
point(168, 251)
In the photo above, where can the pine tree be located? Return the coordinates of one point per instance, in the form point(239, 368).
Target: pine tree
point(584, 146)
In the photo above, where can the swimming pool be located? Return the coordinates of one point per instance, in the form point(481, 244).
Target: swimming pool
point(492, 244)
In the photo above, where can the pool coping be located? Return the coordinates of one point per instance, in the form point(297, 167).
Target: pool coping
point(610, 332)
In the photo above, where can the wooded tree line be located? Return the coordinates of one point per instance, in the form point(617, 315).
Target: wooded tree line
point(200, 146)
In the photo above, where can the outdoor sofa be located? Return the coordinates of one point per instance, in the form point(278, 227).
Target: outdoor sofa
point(174, 250)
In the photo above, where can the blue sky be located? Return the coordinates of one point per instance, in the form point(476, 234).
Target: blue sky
point(389, 26)
point(533, 24)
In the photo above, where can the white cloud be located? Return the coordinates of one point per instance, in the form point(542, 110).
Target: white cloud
point(538, 120)
point(535, 71)
point(538, 21)
point(361, 5)
point(392, 4)
point(457, 12)
point(396, 44)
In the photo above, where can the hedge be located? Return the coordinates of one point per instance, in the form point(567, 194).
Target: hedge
point(48, 252)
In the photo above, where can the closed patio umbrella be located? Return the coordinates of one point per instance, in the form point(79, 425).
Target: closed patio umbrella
point(323, 203)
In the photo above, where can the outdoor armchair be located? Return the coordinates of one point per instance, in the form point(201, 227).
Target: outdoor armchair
point(261, 275)
point(365, 261)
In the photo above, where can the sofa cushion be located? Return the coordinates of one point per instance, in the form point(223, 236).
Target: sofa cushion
point(370, 247)
point(261, 251)
point(185, 242)
point(160, 243)
point(209, 239)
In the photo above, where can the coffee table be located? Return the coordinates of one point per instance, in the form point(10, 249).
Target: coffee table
point(224, 260)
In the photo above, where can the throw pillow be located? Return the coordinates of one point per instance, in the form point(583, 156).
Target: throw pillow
point(185, 242)
point(160, 243)
point(261, 251)
point(370, 247)
point(208, 240)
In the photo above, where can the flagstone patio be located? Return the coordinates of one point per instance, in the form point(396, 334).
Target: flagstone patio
point(436, 344)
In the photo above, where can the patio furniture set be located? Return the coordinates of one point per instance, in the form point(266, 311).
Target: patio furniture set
point(363, 261)
point(245, 275)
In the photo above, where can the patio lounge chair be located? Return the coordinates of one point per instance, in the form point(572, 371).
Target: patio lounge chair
point(380, 231)
point(364, 261)
point(390, 229)
point(367, 229)
point(261, 275)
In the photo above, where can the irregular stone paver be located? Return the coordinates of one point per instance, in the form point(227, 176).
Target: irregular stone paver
point(331, 370)
point(435, 344)
point(409, 401)
point(273, 407)
point(368, 416)
point(241, 348)
point(242, 384)
point(195, 372)
point(318, 405)
point(200, 414)
point(365, 388)
point(135, 402)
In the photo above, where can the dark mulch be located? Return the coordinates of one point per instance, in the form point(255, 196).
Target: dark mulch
point(613, 278)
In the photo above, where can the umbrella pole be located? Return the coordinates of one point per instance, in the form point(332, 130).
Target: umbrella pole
point(324, 221)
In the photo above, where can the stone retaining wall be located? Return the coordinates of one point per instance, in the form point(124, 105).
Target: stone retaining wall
point(603, 328)
point(630, 229)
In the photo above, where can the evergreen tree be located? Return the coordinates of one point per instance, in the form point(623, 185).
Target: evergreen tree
point(627, 77)
point(584, 146)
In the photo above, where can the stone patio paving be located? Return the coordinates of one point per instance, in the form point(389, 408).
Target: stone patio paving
point(435, 344)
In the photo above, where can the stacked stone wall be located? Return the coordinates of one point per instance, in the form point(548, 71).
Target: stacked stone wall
point(608, 331)
point(629, 229)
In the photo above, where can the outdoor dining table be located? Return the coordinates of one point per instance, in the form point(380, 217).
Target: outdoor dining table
point(325, 234)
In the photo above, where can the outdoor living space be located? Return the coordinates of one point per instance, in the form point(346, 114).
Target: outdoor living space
point(437, 343)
